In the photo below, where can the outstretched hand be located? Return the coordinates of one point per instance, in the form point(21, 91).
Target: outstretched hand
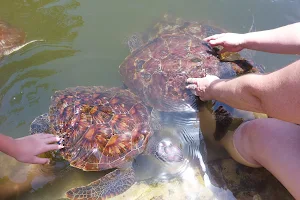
point(231, 42)
point(27, 149)
point(199, 86)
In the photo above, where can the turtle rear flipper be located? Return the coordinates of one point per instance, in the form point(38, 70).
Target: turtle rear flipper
point(112, 184)
point(223, 121)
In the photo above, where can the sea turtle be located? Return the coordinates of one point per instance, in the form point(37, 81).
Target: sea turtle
point(104, 128)
point(157, 69)
point(11, 39)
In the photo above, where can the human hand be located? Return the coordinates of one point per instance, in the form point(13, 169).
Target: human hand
point(199, 86)
point(27, 149)
point(231, 42)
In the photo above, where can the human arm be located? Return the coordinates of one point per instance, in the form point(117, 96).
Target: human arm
point(27, 149)
point(283, 40)
point(277, 94)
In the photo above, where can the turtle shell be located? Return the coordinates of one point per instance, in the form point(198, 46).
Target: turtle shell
point(102, 128)
point(157, 71)
point(10, 37)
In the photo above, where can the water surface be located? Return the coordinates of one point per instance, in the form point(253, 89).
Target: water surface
point(84, 43)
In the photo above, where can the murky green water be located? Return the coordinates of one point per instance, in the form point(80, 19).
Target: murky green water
point(84, 45)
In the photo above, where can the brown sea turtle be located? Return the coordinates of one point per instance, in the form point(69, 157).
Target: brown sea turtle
point(11, 39)
point(104, 128)
point(174, 50)
point(157, 69)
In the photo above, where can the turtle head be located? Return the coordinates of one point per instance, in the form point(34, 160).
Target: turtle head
point(134, 42)
point(169, 152)
point(40, 124)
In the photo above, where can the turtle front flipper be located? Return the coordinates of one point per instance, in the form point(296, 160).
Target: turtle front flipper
point(112, 184)
point(216, 119)
point(39, 125)
point(223, 121)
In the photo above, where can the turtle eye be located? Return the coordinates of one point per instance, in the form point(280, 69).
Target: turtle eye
point(139, 65)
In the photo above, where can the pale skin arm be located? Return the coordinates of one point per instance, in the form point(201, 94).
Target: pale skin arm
point(283, 40)
point(277, 94)
point(27, 149)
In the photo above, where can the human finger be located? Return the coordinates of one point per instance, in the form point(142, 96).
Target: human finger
point(201, 97)
point(191, 80)
point(51, 147)
point(213, 37)
point(44, 135)
point(52, 139)
point(219, 41)
point(38, 160)
point(191, 86)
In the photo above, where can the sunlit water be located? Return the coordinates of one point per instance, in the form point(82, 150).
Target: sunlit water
point(84, 43)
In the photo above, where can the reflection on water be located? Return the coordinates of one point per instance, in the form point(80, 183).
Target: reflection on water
point(23, 74)
point(83, 45)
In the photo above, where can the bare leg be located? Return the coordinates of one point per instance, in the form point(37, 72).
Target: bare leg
point(273, 144)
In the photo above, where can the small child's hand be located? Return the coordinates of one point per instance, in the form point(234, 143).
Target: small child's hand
point(29, 147)
point(231, 42)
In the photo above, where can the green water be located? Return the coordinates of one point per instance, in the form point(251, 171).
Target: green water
point(84, 45)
